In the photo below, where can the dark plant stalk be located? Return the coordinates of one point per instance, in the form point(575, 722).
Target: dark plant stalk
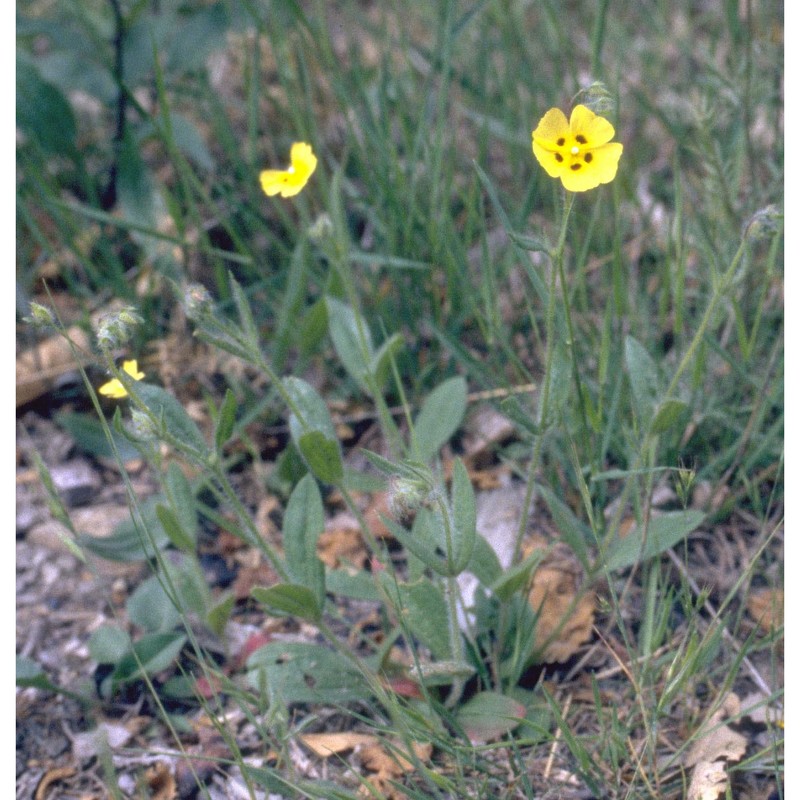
point(109, 196)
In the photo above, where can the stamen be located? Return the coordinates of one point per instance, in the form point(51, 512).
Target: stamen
point(560, 141)
point(587, 158)
point(575, 167)
point(580, 138)
point(559, 157)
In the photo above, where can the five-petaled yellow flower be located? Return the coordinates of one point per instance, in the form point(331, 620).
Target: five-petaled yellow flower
point(578, 151)
point(114, 387)
point(288, 182)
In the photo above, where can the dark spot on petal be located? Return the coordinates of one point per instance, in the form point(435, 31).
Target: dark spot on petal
point(559, 157)
point(588, 158)
point(575, 167)
point(560, 141)
point(580, 138)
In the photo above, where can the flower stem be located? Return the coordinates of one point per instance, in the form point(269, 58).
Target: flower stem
point(557, 258)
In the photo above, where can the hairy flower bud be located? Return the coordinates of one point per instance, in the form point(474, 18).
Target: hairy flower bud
point(116, 328)
point(765, 222)
point(41, 316)
point(197, 301)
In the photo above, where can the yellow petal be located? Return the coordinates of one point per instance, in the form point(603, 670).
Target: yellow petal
point(132, 368)
point(551, 127)
point(548, 159)
point(596, 130)
point(303, 160)
point(602, 169)
point(288, 182)
point(113, 389)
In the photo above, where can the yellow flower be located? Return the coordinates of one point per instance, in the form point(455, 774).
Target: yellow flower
point(580, 151)
point(289, 182)
point(114, 387)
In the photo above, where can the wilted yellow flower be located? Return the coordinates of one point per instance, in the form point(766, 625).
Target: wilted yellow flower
point(114, 387)
point(579, 151)
point(288, 182)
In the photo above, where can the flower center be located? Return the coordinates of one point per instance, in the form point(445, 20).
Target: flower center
point(575, 150)
point(291, 169)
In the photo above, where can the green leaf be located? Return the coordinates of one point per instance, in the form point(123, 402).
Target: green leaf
point(43, 112)
point(439, 418)
point(668, 413)
point(521, 416)
point(464, 517)
point(314, 434)
point(644, 378)
point(136, 193)
point(151, 608)
point(289, 600)
point(225, 420)
point(182, 504)
point(358, 586)
point(574, 532)
point(346, 327)
point(108, 644)
point(484, 564)
point(202, 34)
point(31, 674)
point(517, 578)
point(88, 432)
point(246, 320)
point(128, 542)
point(172, 416)
point(176, 534)
point(382, 360)
point(303, 524)
point(421, 541)
point(219, 614)
point(155, 652)
point(190, 142)
point(306, 673)
point(489, 715)
point(662, 533)
point(423, 610)
point(323, 456)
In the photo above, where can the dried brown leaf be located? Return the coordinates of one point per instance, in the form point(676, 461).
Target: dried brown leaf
point(341, 541)
point(161, 782)
point(765, 606)
point(716, 745)
point(39, 367)
point(49, 778)
point(565, 619)
point(328, 744)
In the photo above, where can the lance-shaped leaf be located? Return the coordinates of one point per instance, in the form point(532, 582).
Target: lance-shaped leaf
point(303, 523)
point(352, 340)
point(289, 600)
point(422, 608)
point(439, 418)
point(312, 431)
point(464, 517)
point(171, 415)
point(661, 533)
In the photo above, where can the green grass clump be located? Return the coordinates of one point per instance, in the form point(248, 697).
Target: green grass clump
point(430, 258)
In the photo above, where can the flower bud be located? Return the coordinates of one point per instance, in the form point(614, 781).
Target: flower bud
point(197, 301)
point(141, 426)
point(765, 222)
point(321, 229)
point(596, 97)
point(116, 327)
point(41, 316)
